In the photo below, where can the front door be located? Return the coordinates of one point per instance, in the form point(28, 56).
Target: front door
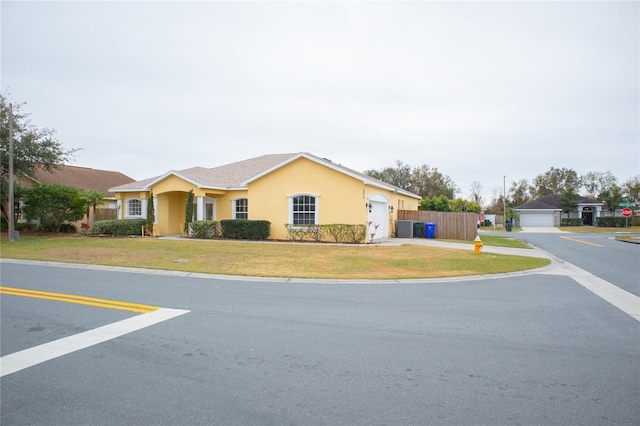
point(378, 216)
point(587, 218)
point(208, 211)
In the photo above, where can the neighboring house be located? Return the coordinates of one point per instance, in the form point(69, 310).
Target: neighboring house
point(546, 211)
point(297, 189)
point(83, 178)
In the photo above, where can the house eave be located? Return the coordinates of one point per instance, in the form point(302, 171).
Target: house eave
point(116, 190)
point(334, 167)
point(538, 210)
point(392, 189)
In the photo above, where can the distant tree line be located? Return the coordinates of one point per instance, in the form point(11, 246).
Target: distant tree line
point(438, 191)
point(600, 186)
point(423, 180)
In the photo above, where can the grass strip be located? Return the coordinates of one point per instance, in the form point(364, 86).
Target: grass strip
point(269, 259)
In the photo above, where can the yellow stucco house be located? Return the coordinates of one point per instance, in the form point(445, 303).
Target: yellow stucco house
point(296, 189)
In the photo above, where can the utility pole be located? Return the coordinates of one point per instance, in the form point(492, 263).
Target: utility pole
point(504, 199)
point(10, 189)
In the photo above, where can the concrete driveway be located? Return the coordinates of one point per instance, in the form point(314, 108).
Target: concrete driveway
point(542, 229)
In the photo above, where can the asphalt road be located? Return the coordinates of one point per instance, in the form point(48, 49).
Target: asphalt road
point(601, 254)
point(519, 349)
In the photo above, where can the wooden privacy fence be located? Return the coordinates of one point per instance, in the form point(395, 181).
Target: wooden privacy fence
point(449, 225)
point(106, 214)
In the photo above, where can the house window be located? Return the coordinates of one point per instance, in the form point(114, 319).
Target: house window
point(241, 208)
point(303, 208)
point(134, 207)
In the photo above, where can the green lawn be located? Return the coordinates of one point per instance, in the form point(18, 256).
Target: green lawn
point(600, 230)
point(497, 241)
point(268, 259)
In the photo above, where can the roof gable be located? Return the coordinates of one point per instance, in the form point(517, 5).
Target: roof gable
point(239, 174)
point(366, 179)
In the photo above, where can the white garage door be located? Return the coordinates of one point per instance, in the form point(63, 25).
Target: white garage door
point(379, 216)
point(536, 219)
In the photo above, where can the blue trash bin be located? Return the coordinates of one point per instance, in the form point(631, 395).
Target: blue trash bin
point(430, 230)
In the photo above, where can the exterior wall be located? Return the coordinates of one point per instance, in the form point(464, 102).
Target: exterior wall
point(172, 193)
point(173, 218)
point(224, 204)
point(340, 198)
point(124, 197)
point(173, 183)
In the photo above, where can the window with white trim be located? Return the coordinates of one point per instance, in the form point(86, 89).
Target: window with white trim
point(303, 210)
point(134, 207)
point(241, 208)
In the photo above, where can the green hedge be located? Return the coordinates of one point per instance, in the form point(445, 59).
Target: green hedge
point(612, 221)
point(119, 228)
point(571, 221)
point(341, 233)
point(65, 228)
point(243, 229)
point(205, 229)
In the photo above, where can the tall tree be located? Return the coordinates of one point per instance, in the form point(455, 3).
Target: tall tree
point(400, 175)
point(612, 197)
point(429, 182)
point(520, 192)
point(423, 180)
point(568, 200)
point(462, 205)
point(476, 192)
point(556, 181)
point(631, 189)
point(151, 213)
point(32, 146)
point(595, 183)
point(188, 211)
point(495, 206)
point(92, 199)
point(438, 203)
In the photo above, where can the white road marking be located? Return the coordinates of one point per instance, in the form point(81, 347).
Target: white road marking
point(17, 361)
point(622, 299)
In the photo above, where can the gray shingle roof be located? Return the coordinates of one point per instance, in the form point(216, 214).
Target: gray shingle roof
point(552, 202)
point(235, 175)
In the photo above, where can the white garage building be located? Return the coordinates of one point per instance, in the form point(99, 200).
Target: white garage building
point(546, 211)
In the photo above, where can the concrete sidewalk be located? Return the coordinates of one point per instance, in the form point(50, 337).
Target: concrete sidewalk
point(430, 242)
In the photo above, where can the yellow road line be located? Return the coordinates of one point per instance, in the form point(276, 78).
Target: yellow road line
point(80, 300)
point(583, 242)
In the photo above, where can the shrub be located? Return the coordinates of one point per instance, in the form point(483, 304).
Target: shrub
point(119, 228)
point(54, 205)
point(611, 221)
point(65, 228)
point(571, 221)
point(296, 232)
point(205, 229)
point(26, 226)
point(357, 234)
point(341, 233)
point(243, 229)
point(338, 231)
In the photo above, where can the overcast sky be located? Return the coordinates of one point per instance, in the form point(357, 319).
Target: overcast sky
point(480, 90)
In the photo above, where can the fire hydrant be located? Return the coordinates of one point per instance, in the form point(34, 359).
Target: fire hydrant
point(477, 245)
